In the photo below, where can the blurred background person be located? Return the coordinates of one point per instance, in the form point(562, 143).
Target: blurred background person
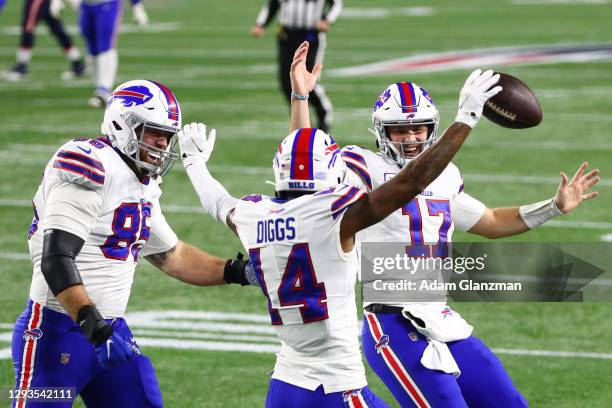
point(33, 12)
point(100, 21)
point(301, 20)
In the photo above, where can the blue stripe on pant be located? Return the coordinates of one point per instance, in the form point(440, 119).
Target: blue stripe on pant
point(64, 358)
point(483, 381)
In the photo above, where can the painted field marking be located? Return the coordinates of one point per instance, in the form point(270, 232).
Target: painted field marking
point(125, 28)
point(374, 13)
point(191, 330)
point(473, 58)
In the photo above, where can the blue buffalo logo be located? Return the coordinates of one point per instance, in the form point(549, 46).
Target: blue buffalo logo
point(384, 97)
point(382, 342)
point(132, 95)
point(32, 334)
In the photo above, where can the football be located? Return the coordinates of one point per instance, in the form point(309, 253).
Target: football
point(515, 107)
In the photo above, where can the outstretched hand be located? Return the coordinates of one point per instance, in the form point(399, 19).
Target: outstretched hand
point(195, 142)
point(302, 81)
point(571, 193)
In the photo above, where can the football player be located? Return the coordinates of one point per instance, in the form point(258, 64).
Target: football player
point(100, 21)
point(301, 246)
point(33, 12)
point(400, 339)
point(96, 212)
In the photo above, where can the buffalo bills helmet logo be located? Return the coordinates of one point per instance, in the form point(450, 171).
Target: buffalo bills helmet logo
point(132, 95)
point(32, 334)
point(384, 97)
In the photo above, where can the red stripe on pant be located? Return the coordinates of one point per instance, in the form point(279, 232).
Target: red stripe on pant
point(28, 362)
point(356, 400)
point(395, 365)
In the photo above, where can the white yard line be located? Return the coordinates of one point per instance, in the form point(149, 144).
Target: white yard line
point(558, 2)
point(552, 353)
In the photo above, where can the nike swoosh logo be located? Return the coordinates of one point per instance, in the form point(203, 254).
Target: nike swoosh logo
point(87, 151)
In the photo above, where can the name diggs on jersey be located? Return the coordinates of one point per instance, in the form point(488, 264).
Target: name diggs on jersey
point(276, 229)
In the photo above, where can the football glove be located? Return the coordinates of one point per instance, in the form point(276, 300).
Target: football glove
point(115, 350)
point(139, 14)
point(240, 271)
point(194, 142)
point(110, 348)
point(475, 92)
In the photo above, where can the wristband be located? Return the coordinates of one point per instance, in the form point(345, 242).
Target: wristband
point(299, 97)
point(537, 214)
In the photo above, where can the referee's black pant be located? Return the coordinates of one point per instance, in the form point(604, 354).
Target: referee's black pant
point(288, 41)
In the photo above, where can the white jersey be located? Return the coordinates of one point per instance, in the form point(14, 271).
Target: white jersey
point(428, 219)
point(310, 284)
point(88, 190)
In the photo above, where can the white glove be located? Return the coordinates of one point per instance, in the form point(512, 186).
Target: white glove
point(474, 94)
point(56, 7)
point(195, 144)
point(139, 15)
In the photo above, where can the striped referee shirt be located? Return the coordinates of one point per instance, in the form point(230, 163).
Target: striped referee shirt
point(300, 14)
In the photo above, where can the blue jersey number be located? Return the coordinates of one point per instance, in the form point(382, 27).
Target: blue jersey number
point(298, 286)
point(130, 226)
point(418, 247)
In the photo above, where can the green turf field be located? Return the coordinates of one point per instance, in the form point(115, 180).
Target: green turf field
point(221, 76)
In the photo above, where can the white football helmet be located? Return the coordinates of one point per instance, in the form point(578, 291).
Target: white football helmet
point(134, 106)
point(307, 160)
point(403, 103)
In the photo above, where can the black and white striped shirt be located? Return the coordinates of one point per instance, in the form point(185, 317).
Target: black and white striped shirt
point(300, 14)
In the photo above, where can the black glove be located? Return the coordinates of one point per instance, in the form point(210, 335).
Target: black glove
point(239, 271)
point(92, 324)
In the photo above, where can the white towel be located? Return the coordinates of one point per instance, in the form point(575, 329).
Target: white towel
point(437, 356)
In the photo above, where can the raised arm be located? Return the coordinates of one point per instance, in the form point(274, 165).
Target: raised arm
point(196, 147)
point(302, 83)
point(424, 169)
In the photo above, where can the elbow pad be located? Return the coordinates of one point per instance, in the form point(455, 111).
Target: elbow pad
point(60, 248)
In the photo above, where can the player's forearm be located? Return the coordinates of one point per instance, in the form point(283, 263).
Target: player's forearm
point(214, 198)
point(419, 173)
point(300, 115)
point(500, 222)
point(73, 299)
point(190, 265)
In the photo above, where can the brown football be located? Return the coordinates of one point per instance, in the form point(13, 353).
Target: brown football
point(515, 107)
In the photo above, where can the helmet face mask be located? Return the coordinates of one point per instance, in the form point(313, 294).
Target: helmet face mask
point(138, 108)
point(307, 161)
point(404, 104)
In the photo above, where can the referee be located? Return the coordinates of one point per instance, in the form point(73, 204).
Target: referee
point(301, 20)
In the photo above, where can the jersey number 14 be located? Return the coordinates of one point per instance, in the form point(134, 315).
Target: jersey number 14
point(298, 287)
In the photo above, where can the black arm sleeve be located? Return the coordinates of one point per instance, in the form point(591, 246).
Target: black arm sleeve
point(57, 264)
point(273, 7)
